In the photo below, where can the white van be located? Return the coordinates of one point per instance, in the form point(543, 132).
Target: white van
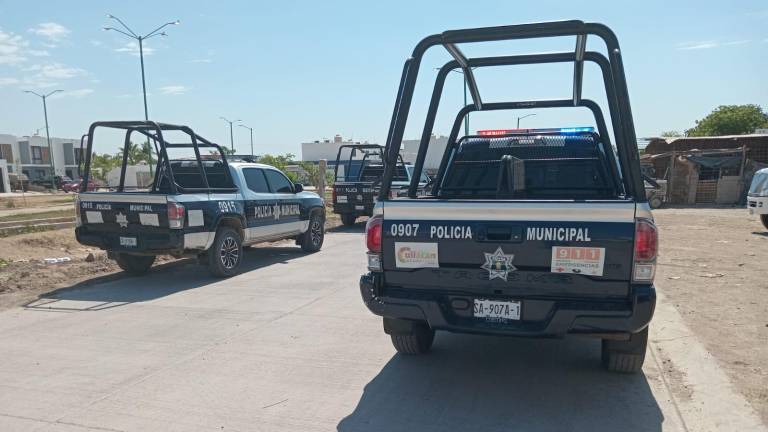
point(757, 198)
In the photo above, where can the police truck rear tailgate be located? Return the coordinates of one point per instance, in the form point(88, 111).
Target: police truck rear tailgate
point(508, 248)
point(125, 221)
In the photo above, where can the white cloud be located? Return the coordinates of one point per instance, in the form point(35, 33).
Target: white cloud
point(74, 93)
point(55, 71)
point(38, 53)
point(132, 48)
point(95, 42)
point(51, 30)
point(708, 44)
point(202, 60)
point(5, 81)
point(174, 90)
point(12, 48)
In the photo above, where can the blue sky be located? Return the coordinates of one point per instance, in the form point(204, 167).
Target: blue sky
point(299, 71)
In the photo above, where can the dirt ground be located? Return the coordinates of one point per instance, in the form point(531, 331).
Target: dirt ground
point(24, 276)
point(712, 267)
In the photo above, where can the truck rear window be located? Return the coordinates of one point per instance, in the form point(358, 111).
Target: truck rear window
point(531, 167)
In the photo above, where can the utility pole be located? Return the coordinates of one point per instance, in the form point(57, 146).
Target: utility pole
point(251, 130)
point(47, 133)
point(231, 134)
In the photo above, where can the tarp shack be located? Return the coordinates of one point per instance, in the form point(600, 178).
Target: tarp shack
point(706, 170)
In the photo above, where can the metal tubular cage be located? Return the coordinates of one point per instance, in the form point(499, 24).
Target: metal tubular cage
point(154, 131)
point(380, 149)
point(613, 79)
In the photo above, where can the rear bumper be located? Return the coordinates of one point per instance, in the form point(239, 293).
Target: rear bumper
point(548, 317)
point(149, 243)
point(364, 209)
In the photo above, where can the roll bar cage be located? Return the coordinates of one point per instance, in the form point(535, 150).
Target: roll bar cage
point(362, 147)
point(613, 79)
point(154, 131)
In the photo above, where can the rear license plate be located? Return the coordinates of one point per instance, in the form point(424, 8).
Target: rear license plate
point(341, 199)
point(359, 207)
point(493, 310)
point(128, 241)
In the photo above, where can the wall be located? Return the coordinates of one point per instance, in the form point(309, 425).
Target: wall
point(6, 186)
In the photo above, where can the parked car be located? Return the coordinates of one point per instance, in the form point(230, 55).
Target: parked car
point(201, 206)
point(46, 181)
point(18, 181)
point(757, 197)
point(74, 186)
point(534, 233)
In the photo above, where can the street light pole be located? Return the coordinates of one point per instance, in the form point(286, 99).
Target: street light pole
point(47, 133)
point(527, 115)
point(140, 39)
point(251, 130)
point(466, 117)
point(143, 81)
point(231, 134)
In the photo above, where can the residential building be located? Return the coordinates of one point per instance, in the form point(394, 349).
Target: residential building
point(329, 149)
point(324, 149)
point(30, 155)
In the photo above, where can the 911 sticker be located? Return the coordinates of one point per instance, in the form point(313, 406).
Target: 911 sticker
point(578, 260)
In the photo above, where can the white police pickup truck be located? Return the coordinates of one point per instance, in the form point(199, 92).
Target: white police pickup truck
point(530, 233)
point(203, 206)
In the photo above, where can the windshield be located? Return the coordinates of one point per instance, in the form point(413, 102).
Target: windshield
point(759, 183)
point(422, 179)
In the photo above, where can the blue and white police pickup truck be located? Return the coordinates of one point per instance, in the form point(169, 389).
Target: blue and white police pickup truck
point(534, 233)
point(204, 206)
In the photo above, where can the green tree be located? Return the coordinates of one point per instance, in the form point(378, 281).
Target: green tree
point(671, 134)
point(730, 120)
point(278, 161)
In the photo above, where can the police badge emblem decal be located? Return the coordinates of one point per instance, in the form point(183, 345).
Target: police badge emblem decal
point(498, 264)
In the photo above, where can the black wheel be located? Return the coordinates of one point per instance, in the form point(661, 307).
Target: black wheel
point(625, 356)
point(418, 341)
point(226, 253)
point(348, 219)
point(134, 264)
point(312, 239)
point(764, 219)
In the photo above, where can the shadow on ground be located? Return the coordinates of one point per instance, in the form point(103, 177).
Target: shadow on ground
point(120, 289)
point(475, 383)
point(358, 227)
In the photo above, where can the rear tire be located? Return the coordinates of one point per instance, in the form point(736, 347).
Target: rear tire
point(625, 356)
point(348, 219)
point(226, 253)
point(312, 239)
point(419, 341)
point(764, 219)
point(134, 264)
point(655, 202)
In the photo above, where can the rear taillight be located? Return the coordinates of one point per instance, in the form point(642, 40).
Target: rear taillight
point(78, 219)
point(175, 215)
point(646, 249)
point(373, 233)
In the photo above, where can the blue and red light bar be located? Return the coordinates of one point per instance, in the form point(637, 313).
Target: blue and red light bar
point(564, 131)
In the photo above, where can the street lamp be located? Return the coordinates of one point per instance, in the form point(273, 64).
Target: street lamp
point(522, 117)
point(131, 34)
point(250, 129)
point(231, 135)
point(47, 132)
point(466, 117)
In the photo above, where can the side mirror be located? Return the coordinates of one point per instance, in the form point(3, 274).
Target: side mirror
point(298, 187)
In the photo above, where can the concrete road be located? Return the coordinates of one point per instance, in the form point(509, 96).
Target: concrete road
point(288, 346)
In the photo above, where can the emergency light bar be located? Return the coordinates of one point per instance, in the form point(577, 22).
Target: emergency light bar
point(570, 130)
